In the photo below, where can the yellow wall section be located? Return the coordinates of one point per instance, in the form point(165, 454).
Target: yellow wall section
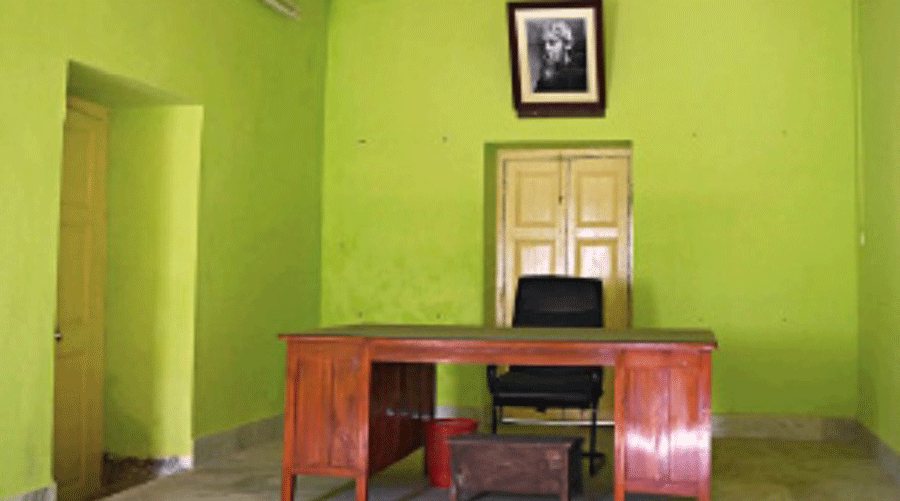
point(260, 80)
point(741, 116)
point(153, 184)
point(879, 350)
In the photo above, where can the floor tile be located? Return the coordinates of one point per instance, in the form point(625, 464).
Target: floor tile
point(744, 469)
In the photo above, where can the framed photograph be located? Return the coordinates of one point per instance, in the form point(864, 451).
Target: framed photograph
point(556, 52)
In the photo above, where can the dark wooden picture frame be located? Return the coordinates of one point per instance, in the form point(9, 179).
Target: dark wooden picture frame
point(556, 54)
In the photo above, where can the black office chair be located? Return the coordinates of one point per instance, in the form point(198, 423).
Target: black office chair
point(553, 301)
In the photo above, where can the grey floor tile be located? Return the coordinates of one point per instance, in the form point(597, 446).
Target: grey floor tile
point(744, 469)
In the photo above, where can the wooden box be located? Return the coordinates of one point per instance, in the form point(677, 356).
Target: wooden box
point(515, 464)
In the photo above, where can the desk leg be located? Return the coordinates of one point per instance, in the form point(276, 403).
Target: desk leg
point(619, 417)
point(705, 427)
point(287, 486)
point(704, 494)
point(362, 488)
point(619, 492)
point(290, 408)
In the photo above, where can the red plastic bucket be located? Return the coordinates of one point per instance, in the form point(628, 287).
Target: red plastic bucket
point(437, 451)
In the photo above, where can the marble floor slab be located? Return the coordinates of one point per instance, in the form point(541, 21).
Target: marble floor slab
point(744, 469)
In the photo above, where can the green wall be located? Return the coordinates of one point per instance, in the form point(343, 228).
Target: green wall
point(154, 171)
point(741, 116)
point(260, 80)
point(879, 314)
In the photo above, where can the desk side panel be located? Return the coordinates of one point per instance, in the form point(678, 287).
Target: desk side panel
point(666, 422)
point(323, 405)
point(402, 404)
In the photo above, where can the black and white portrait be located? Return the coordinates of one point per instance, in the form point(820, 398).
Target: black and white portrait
point(556, 51)
point(556, 55)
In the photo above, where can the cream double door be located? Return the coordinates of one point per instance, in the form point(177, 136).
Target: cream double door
point(565, 212)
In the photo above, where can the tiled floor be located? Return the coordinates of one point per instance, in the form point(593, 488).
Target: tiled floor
point(743, 470)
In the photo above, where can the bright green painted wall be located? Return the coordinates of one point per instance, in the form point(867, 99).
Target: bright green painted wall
point(154, 171)
point(260, 80)
point(879, 304)
point(742, 119)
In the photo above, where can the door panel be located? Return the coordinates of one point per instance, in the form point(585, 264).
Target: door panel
point(71, 404)
point(594, 195)
point(74, 284)
point(78, 400)
point(598, 242)
point(535, 256)
point(595, 258)
point(598, 258)
point(537, 193)
point(532, 217)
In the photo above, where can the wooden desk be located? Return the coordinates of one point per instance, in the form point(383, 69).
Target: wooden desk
point(357, 398)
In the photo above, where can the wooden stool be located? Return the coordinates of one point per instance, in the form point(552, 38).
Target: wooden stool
point(516, 464)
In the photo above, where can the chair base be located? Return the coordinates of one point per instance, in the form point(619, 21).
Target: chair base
point(597, 461)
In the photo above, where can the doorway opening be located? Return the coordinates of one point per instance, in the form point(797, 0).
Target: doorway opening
point(146, 247)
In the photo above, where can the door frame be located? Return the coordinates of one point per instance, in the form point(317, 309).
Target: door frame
point(502, 154)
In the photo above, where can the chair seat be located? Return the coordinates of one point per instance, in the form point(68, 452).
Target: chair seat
point(519, 388)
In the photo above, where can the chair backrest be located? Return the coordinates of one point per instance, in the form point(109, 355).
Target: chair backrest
point(558, 301)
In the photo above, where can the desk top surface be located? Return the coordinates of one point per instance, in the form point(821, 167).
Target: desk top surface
point(477, 333)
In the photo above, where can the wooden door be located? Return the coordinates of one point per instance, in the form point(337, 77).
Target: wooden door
point(531, 220)
point(597, 240)
point(565, 212)
point(78, 404)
